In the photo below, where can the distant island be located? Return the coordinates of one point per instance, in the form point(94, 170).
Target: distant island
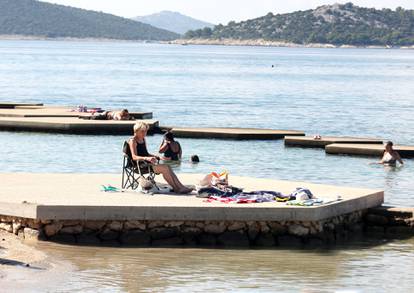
point(173, 21)
point(329, 25)
point(338, 25)
point(30, 18)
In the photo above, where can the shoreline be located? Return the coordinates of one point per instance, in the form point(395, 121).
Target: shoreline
point(24, 261)
point(280, 44)
point(70, 39)
point(211, 42)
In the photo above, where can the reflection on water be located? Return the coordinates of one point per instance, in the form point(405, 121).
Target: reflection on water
point(391, 174)
point(370, 266)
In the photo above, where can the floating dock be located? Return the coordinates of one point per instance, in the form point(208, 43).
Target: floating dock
point(367, 149)
point(309, 141)
point(71, 208)
point(231, 133)
point(71, 125)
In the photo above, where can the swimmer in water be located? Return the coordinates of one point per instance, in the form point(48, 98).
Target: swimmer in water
point(390, 156)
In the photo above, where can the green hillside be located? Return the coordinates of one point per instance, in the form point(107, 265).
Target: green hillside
point(337, 24)
point(35, 18)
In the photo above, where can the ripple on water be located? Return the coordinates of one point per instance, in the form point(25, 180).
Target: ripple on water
point(330, 92)
point(367, 266)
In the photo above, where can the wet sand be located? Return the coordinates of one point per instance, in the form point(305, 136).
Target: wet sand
point(25, 268)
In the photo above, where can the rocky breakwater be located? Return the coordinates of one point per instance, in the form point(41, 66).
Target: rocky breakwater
point(190, 233)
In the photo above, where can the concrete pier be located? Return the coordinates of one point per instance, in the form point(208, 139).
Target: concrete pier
point(71, 208)
point(310, 141)
point(55, 111)
point(367, 149)
point(231, 133)
point(12, 105)
point(71, 125)
point(78, 196)
point(39, 118)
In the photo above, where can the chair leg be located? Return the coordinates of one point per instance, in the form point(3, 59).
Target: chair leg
point(123, 175)
point(135, 181)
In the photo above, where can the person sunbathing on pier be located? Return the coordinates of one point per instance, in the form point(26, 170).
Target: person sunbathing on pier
point(119, 115)
point(139, 151)
point(110, 115)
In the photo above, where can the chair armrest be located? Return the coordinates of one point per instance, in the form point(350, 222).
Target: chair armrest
point(142, 164)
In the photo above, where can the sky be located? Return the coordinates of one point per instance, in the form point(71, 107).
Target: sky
point(218, 11)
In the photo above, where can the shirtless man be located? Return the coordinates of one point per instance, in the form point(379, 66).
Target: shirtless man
point(110, 115)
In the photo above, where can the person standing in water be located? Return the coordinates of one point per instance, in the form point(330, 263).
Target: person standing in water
point(390, 156)
point(170, 148)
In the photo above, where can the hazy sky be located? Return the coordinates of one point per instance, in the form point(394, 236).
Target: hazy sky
point(218, 11)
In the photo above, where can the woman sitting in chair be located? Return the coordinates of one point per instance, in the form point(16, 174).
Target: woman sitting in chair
point(139, 151)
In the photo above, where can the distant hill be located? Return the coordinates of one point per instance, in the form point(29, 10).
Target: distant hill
point(336, 24)
point(173, 21)
point(35, 18)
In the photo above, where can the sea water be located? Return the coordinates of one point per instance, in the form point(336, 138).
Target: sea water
point(358, 92)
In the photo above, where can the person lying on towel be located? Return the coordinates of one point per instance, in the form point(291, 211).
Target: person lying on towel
point(110, 115)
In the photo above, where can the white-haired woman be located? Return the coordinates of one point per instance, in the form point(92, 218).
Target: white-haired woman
point(139, 151)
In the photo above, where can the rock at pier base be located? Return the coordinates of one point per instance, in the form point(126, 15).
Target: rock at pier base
point(399, 230)
point(158, 233)
point(52, 229)
point(162, 233)
point(235, 239)
point(135, 238)
point(265, 240)
point(88, 239)
point(63, 238)
point(108, 235)
point(290, 241)
point(168, 242)
point(31, 234)
point(207, 240)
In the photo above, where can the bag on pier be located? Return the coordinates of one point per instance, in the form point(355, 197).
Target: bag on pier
point(302, 194)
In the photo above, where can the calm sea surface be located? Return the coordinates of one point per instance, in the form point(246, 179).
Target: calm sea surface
point(361, 92)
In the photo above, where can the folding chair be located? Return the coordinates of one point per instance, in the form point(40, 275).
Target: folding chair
point(133, 171)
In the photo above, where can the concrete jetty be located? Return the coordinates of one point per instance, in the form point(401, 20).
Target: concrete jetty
point(71, 208)
point(36, 117)
point(231, 133)
point(367, 149)
point(70, 125)
point(55, 111)
point(40, 118)
point(79, 197)
point(12, 105)
point(310, 141)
